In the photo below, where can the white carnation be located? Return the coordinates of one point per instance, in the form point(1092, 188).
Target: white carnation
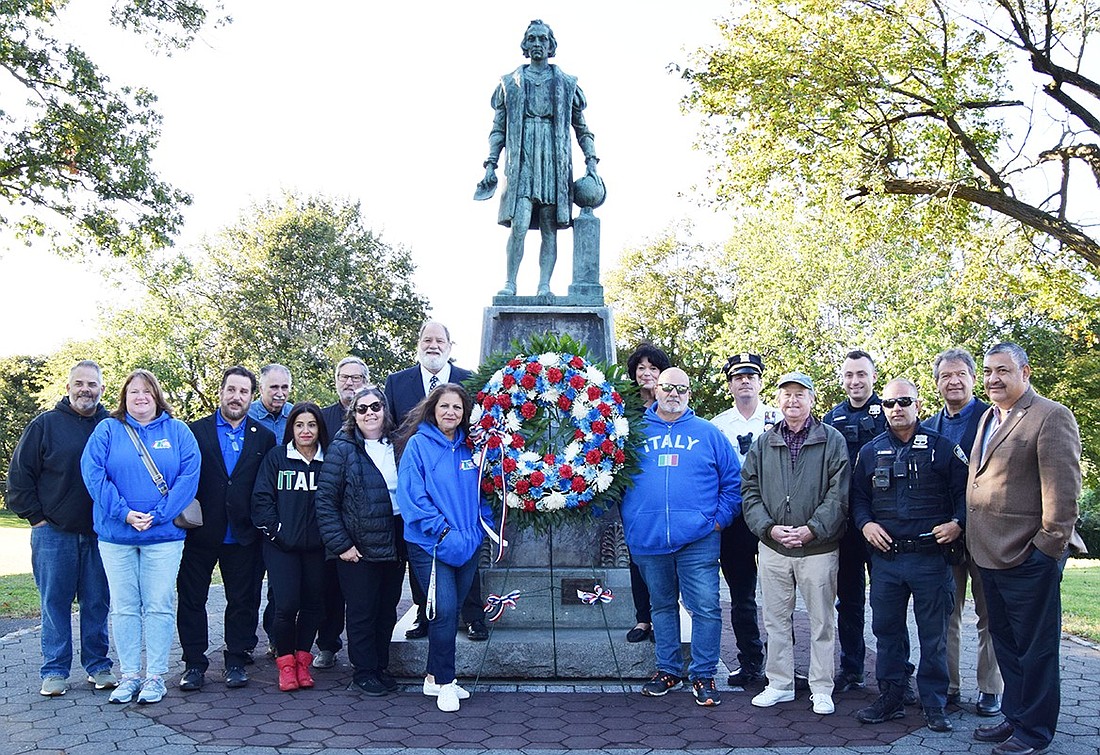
point(527, 461)
point(581, 407)
point(594, 376)
point(475, 415)
point(603, 481)
point(514, 501)
point(553, 501)
point(571, 451)
point(512, 421)
point(622, 427)
point(549, 359)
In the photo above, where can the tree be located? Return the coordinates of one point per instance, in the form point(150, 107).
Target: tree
point(300, 281)
point(912, 98)
point(76, 153)
point(20, 383)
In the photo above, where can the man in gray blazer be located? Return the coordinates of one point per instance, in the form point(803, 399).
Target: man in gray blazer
point(1024, 482)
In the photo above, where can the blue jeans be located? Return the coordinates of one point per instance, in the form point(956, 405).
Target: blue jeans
point(691, 572)
point(143, 591)
point(450, 583)
point(67, 567)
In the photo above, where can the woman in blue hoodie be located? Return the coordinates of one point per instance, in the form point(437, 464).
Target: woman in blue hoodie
point(444, 515)
point(138, 542)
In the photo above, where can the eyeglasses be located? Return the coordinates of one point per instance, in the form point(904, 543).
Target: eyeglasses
point(364, 408)
point(902, 401)
point(669, 388)
point(351, 378)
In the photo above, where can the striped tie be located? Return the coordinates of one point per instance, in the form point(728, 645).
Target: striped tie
point(433, 383)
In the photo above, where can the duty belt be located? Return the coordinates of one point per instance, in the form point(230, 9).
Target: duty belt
point(915, 545)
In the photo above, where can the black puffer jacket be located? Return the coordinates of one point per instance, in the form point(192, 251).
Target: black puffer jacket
point(353, 503)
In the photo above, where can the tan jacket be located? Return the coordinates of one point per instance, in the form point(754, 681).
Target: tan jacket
point(1023, 492)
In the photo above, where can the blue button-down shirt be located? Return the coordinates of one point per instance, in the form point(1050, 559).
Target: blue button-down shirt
point(276, 423)
point(231, 441)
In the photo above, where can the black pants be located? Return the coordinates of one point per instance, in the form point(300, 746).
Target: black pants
point(241, 568)
point(738, 560)
point(472, 607)
point(373, 589)
point(639, 590)
point(296, 580)
point(1025, 621)
point(332, 622)
point(851, 601)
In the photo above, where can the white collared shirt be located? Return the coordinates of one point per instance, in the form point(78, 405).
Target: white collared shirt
point(444, 376)
point(733, 424)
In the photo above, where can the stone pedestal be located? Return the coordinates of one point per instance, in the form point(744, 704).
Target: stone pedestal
point(591, 326)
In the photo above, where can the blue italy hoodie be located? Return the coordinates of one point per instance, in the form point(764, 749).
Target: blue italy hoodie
point(437, 489)
point(119, 482)
point(689, 481)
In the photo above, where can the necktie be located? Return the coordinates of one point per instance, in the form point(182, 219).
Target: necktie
point(433, 383)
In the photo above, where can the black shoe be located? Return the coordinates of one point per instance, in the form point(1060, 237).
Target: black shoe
point(1014, 746)
point(417, 631)
point(235, 677)
point(660, 684)
point(988, 704)
point(954, 698)
point(886, 708)
point(801, 681)
point(1001, 732)
point(706, 693)
point(637, 634)
point(746, 677)
point(192, 679)
point(387, 680)
point(936, 720)
point(477, 631)
point(848, 683)
point(372, 685)
point(909, 697)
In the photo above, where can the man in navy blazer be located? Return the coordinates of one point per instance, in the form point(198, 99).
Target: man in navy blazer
point(232, 445)
point(404, 390)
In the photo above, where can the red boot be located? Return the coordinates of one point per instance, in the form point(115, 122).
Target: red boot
point(304, 658)
point(288, 673)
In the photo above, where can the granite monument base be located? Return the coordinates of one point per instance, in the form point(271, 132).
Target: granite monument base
point(590, 326)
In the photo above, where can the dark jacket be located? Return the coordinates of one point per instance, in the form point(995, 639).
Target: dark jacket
point(44, 482)
point(858, 426)
point(353, 503)
point(937, 422)
point(405, 389)
point(227, 499)
point(283, 501)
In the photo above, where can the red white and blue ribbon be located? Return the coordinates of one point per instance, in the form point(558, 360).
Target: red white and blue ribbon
point(493, 536)
point(599, 596)
point(498, 603)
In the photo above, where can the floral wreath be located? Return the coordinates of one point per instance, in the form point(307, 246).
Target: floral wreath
point(553, 431)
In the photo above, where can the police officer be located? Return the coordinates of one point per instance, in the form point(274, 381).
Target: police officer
point(909, 502)
point(859, 419)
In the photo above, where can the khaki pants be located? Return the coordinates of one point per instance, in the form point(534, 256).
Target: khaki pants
point(989, 674)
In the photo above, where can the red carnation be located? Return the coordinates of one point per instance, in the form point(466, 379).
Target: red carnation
point(486, 401)
point(616, 397)
point(487, 485)
point(537, 478)
point(620, 457)
point(522, 486)
point(504, 401)
point(594, 456)
point(528, 505)
point(578, 435)
point(533, 368)
point(528, 410)
point(486, 421)
point(554, 375)
point(509, 464)
point(608, 447)
point(566, 471)
point(527, 381)
point(549, 459)
point(517, 441)
point(498, 482)
point(493, 442)
point(593, 392)
point(604, 409)
point(579, 485)
point(480, 396)
point(599, 426)
point(564, 403)
point(576, 363)
point(508, 381)
point(577, 381)
point(513, 363)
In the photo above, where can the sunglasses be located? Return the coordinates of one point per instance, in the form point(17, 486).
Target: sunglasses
point(902, 401)
point(669, 388)
point(364, 408)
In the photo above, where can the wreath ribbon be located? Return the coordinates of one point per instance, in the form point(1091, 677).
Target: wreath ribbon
point(498, 603)
point(599, 596)
point(497, 538)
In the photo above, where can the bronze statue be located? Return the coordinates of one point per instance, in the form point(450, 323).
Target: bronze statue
point(535, 106)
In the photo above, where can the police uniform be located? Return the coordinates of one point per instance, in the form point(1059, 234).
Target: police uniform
point(909, 488)
point(859, 427)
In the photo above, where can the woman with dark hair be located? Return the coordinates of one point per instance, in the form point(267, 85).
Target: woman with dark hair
point(644, 366)
point(360, 526)
point(444, 518)
point(133, 508)
point(283, 508)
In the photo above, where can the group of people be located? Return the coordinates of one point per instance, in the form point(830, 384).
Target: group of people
point(812, 506)
point(332, 503)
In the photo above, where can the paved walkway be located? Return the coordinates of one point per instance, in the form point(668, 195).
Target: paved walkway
point(504, 718)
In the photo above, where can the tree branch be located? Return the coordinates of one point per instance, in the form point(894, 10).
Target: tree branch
point(1090, 153)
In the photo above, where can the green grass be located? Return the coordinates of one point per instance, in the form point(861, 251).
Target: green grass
point(1080, 608)
point(18, 597)
point(8, 519)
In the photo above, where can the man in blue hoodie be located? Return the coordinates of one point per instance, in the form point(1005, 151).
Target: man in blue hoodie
point(688, 490)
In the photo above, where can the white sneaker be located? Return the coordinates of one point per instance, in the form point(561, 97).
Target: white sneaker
point(447, 699)
point(431, 689)
point(770, 696)
point(823, 704)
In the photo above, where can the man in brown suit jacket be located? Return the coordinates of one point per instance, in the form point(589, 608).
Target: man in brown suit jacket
point(1024, 481)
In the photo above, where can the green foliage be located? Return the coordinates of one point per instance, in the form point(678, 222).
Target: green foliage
point(20, 384)
point(301, 281)
point(909, 97)
point(1089, 523)
point(76, 150)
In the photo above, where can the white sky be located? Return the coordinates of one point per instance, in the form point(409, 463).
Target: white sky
point(388, 103)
